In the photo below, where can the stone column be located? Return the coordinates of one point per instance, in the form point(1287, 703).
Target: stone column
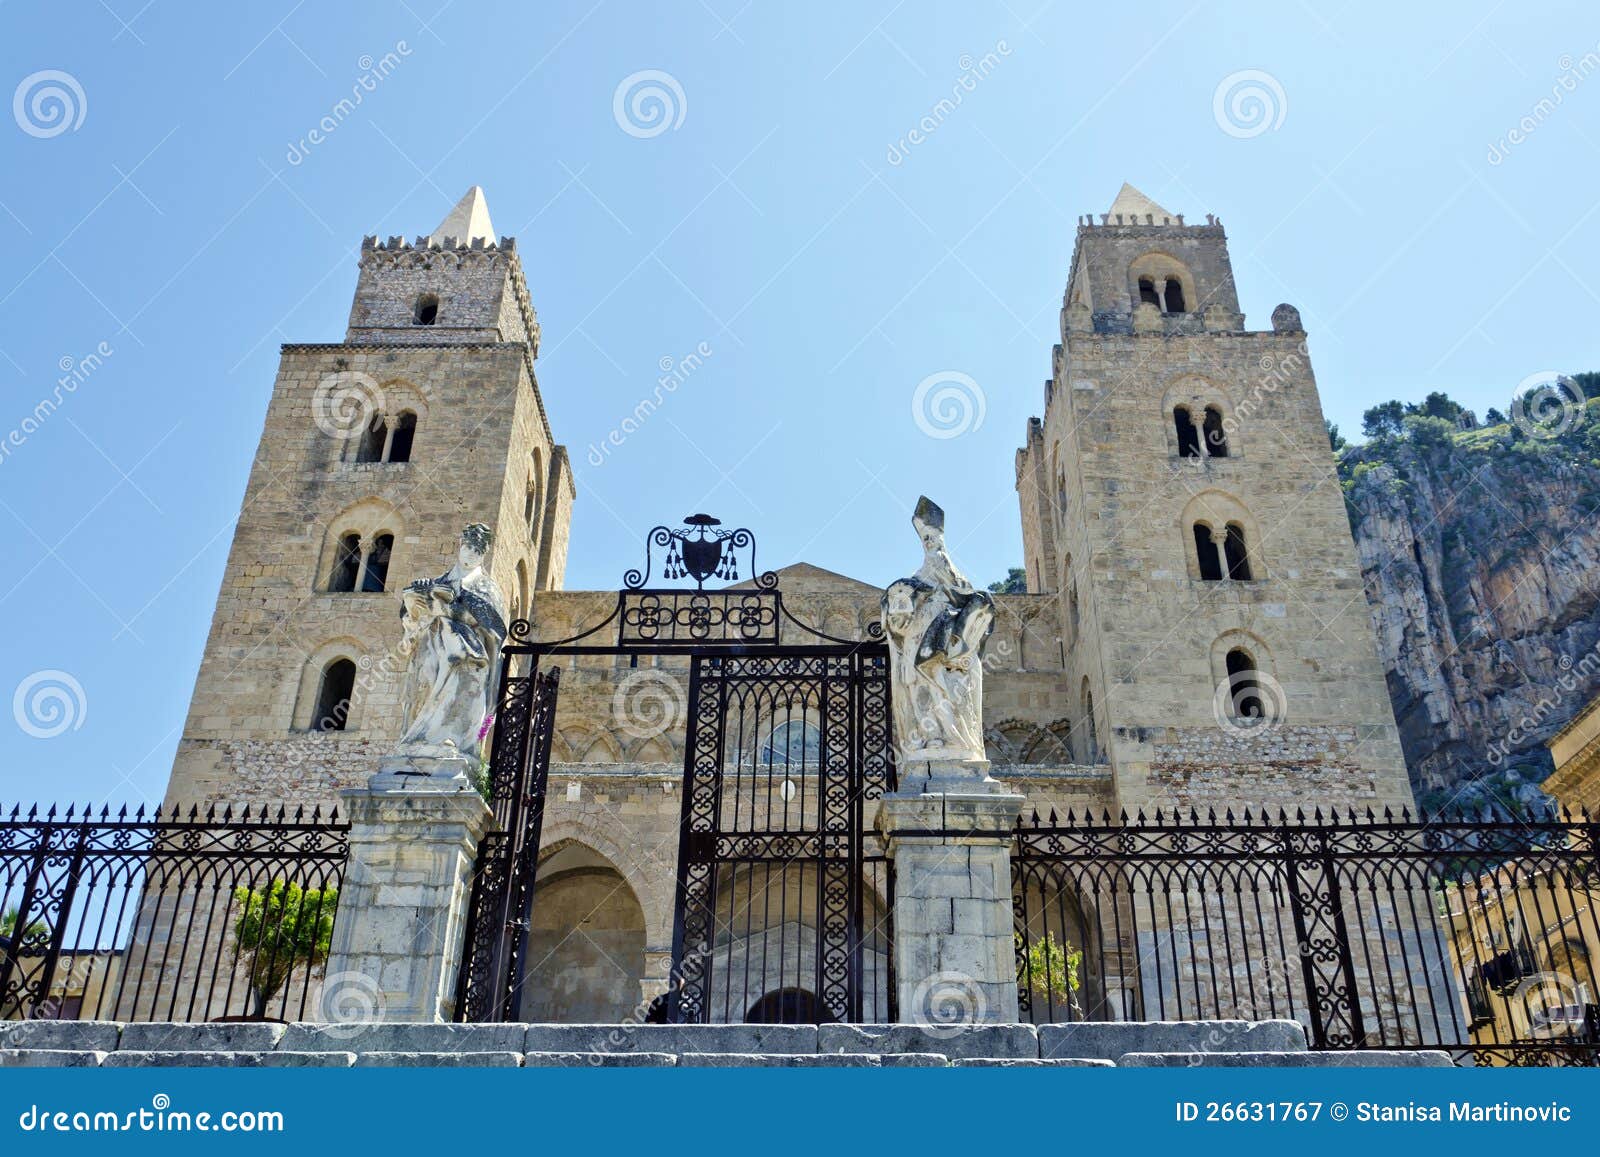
point(402, 915)
point(954, 946)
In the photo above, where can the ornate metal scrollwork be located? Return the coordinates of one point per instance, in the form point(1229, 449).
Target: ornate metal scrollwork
point(699, 550)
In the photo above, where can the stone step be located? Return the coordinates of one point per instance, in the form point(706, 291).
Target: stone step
point(1136, 1044)
point(212, 1058)
point(1112, 1039)
point(1354, 1059)
point(581, 1060)
point(1032, 1063)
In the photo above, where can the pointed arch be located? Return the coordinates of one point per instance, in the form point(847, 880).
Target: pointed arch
point(1088, 729)
point(587, 940)
point(655, 749)
point(602, 749)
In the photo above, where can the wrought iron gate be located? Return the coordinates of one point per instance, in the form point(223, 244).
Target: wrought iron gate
point(784, 895)
point(494, 958)
point(783, 892)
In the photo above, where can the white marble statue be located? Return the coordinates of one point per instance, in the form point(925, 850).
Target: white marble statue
point(937, 623)
point(453, 626)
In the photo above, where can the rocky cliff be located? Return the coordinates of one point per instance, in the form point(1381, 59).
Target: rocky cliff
point(1481, 556)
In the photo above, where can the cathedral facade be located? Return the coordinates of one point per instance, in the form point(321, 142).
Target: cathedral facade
point(1194, 632)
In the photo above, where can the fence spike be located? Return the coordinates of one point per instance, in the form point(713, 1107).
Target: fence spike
point(1124, 817)
point(1052, 816)
point(1229, 815)
point(1299, 815)
point(1211, 816)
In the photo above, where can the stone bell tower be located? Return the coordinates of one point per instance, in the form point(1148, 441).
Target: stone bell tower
point(376, 451)
point(1180, 499)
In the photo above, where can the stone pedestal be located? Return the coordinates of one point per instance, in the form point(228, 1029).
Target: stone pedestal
point(433, 773)
point(954, 946)
point(403, 908)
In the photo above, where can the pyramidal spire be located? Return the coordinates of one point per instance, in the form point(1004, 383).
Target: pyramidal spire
point(467, 221)
point(1133, 205)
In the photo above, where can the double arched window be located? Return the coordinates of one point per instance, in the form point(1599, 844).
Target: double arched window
point(360, 548)
point(361, 565)
point(1224, 539)
point(1161, 280)
point(1166, 294)
point(1222, 554)
point(382, 441)
point(1209, 433)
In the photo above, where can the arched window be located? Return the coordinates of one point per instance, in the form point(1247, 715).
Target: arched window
point(346, 564)
point(1244, 691)
point(1147, 292)
point(373, 440)
point(427, 311)
point(1188, 436)
point(381, 442)
point(1205, 549)
point(533, 501)
point(376, 574)
point(1089, 732)
point(334, 689)
point(1072, 614)
point(524, 602)
point(1216, 437)
point(405, 433)
point(1174, 296)
point(1235, 553)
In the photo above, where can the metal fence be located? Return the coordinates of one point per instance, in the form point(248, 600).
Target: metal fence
point(1475, 935)
point(197, 916)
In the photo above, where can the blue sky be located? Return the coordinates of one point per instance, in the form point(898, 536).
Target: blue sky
point(181, 218)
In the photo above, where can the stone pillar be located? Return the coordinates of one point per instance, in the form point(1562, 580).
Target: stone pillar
point(954, 946)
point(403, 908)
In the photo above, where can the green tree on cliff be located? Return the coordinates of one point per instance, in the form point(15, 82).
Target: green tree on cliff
point(1015, 583)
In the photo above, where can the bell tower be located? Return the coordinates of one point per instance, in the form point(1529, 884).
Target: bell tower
point(376, 451)
point(1179, 497)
